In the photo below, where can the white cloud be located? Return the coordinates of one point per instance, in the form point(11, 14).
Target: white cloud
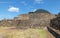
point(23, 2)
point(38, 1)
point(34, 10)
point(13, 9)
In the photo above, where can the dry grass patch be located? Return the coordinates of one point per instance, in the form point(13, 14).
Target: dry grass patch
point(28, 33)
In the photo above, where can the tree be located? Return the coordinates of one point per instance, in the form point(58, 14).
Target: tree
point(31, 12)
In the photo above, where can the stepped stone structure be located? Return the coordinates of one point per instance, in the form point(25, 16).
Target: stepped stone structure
point(31, 20)
point(35, 20)
point(41, 19)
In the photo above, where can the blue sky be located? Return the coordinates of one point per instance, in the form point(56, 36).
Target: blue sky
point(12, 8)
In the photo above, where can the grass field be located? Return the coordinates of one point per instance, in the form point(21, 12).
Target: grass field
point(5, 32)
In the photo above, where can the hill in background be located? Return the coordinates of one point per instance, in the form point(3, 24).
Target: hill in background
point(40, 11)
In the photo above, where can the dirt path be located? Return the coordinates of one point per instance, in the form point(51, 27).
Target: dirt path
point(49, 34)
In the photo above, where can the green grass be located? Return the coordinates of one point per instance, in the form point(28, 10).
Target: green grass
point(43, 33)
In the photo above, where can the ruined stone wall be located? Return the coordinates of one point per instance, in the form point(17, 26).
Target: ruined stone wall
point(6, 23)
point(55, 23)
